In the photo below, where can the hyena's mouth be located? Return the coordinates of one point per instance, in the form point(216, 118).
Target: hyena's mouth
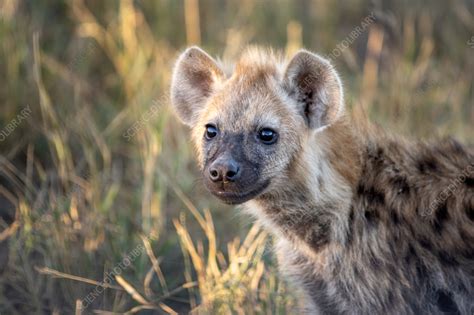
point(233, 197)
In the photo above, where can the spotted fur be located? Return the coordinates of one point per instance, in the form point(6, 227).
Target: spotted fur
point(364, 223)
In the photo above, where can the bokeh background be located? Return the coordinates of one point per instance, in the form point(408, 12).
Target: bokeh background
point(101, 205)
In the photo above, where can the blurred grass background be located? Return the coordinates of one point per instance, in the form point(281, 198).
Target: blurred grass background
point(101, 167)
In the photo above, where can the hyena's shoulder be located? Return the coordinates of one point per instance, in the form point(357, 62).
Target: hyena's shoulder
point(417, 199)
point(426, 180)
point(411, 227)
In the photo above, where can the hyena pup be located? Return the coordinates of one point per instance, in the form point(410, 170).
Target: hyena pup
point(349, 206)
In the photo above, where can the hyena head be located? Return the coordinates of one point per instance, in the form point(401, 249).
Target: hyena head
point(250, 125)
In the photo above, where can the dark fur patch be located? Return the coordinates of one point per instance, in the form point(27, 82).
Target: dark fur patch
point(372, 216)
point(321, 237)
point(421, 271)
point(401, 185)
point(426, 244)
point(350, 231)
point(468, 252)
point(390, 298)
point(441, 216)
point(375, 263)
point(427, 165)
point(410, 255)
point(371, 194)
point(469, 182)
point(446, 303)
point(470, 212)
point(447, 259)
point(351, 216)
point(394, 217)
point(376, 158)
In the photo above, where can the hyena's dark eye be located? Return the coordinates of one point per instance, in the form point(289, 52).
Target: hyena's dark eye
point(267, 136)
point(211, 131)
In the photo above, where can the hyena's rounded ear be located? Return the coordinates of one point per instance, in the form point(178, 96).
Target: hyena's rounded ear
point(315, 85)
point(194, 77)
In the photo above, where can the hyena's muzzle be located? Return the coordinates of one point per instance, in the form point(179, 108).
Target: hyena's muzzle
point(229, 174)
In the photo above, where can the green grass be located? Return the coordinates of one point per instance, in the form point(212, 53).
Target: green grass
point(102, 168)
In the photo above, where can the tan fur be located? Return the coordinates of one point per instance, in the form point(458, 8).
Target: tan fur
point(364, 222)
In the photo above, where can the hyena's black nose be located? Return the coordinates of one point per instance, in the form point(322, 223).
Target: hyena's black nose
point(224, 170)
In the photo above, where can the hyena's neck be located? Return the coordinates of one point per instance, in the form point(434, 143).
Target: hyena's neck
point(313, 206)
